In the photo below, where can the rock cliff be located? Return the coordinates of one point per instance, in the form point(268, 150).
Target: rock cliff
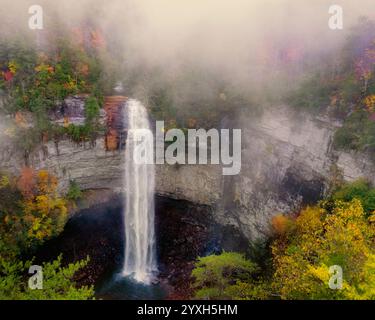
point(287, 161)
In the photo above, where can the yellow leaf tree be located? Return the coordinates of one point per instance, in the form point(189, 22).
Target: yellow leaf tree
point(323, 237)
point(45, 213)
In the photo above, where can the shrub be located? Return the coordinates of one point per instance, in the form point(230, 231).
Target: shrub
point(281, 224)
point(219, 276)
point(58, 281)
point(361, 190)
point(74, 192)
point(92, 109)
point(357, 133)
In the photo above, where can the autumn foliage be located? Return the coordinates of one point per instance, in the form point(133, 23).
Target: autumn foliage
point(281, 224)
point(331, 234)
point(369, 102)
point(31, 211)
point(25, 223)
point(26, 182)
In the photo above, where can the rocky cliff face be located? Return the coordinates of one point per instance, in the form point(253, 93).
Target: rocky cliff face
point(287, 161)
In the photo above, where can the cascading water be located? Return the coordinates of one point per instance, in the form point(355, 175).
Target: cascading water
point(139, 183)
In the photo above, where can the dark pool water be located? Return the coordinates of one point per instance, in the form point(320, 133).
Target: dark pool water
point(115, 286)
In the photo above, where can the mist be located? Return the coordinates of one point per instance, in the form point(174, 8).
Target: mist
point(242, 43)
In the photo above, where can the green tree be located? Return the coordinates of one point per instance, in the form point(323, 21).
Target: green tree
point(92, 109)
point(226, 276)
point(74, 192)
point(360, 189)
point(58, 281)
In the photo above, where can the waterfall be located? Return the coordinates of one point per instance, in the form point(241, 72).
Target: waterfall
point(139, 183)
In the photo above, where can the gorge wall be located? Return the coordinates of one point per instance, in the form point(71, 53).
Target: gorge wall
point(287, 161)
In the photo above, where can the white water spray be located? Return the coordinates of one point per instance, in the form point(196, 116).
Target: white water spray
point(139, 183)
